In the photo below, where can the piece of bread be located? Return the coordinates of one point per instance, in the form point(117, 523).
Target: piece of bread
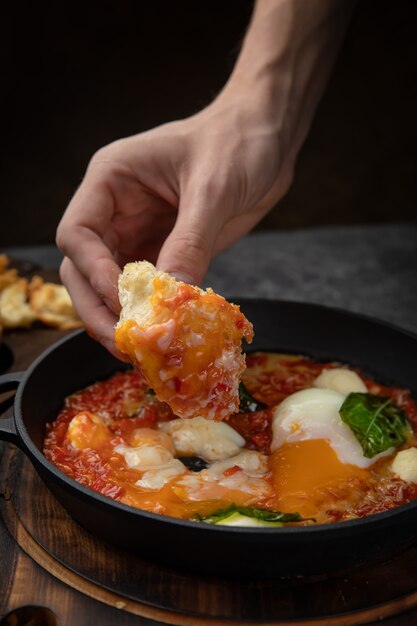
point(4, 262)
point(15, 311)
point(52, 304)
point(22, 303)
point(185, 341)
point(7, 276)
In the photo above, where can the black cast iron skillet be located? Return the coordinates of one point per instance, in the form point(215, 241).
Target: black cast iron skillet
point(381, 350)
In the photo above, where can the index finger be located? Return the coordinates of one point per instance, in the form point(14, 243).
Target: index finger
point(98, 320)
point(81, 238)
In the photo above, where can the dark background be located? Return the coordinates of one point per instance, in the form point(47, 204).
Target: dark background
point(76, 77)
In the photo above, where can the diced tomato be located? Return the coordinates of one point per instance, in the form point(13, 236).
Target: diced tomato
point(232, 470)
point(124, 404)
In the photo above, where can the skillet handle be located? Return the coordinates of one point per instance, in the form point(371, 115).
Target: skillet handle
point(9, 382)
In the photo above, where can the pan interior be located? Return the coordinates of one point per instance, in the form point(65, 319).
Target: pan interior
point(384, 352)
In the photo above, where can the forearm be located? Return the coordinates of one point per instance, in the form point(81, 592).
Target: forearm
point(285, 62)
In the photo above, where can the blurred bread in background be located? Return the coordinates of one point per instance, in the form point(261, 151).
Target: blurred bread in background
point(23, 302)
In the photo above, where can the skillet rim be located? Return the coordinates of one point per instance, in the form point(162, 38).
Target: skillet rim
point(87, 493)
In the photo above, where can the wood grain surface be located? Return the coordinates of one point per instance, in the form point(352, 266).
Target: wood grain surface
point(46, 559)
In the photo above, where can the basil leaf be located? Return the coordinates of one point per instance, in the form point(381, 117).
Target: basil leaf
point(250, 511)
point(247, 403)
point(375, 420)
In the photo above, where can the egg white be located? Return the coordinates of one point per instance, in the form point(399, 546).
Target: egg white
point(214, 441)
point(314, 414)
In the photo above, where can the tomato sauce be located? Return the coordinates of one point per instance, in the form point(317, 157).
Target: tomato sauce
point(124, 403)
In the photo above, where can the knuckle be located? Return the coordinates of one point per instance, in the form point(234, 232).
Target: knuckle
point(193, 242)
point(103, 158)
point(102, 154)
point(60, 238)
point(108, 154)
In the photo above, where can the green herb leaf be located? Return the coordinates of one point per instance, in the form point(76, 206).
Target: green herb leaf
point(375, 420)
point(247, 403)
point(150, 392)
point(252, 512)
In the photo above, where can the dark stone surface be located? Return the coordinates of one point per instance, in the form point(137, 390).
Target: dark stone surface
point(370, 270)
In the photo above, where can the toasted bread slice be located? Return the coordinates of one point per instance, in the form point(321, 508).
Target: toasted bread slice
point(7, 276)
point(52, 304)
point(4, 262)
point(15, 310)
point(185, 341)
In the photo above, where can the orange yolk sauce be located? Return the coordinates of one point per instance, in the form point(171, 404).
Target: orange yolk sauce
point(192, 358)
point(306, 477)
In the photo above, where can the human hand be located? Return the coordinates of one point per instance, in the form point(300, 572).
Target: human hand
point(179, 194)
point(176, 195)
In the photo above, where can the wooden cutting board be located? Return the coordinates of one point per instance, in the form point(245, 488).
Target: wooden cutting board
point(46, 559)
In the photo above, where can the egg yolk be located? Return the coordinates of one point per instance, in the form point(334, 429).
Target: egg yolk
point(308, 477)
point(87, 430)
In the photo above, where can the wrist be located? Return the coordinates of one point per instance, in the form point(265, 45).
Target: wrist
point(285, 60)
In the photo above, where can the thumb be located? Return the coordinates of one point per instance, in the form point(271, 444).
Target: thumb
point(187, 251)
